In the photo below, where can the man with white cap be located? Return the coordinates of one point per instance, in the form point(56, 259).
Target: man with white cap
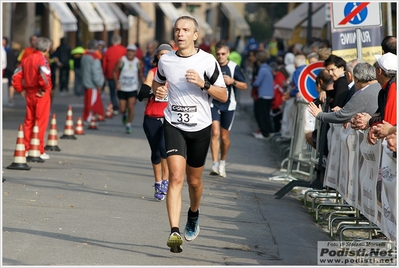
point(386, 69)
point(127, 79)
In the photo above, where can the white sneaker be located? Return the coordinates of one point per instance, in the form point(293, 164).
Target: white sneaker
point(215, 169)
point(222, 171)
point(261, 137)
point(44, 156)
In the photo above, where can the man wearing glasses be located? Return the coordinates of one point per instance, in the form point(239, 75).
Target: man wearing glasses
point(223, 113)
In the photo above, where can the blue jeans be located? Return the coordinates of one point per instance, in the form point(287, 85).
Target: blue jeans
point(112, 94)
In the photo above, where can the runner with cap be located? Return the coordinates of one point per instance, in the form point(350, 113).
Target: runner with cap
point(127, 79)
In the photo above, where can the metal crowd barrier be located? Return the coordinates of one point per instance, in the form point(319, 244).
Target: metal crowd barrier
point(300, 167)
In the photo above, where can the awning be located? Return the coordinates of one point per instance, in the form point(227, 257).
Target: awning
point(202, 23)
point(285, 27)
point(90, 16)
point(138, 11)
point(111, 21)
point(170, 11)
point(238, 20)
point(318, 23)
point(62, 12)
point(121, 15)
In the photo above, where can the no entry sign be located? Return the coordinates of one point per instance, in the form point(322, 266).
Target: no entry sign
point(307, 80)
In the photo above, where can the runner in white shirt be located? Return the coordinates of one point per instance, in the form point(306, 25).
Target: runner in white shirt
point(188, 78)
point(126, 75)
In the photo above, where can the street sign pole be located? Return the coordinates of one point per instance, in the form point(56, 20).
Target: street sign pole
point(359, 43)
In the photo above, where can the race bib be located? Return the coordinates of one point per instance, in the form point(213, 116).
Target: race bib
point(184, 115)
point(127, 81)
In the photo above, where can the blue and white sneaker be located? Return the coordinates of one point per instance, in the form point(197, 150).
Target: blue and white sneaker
point(174, 242)
point(159, 195)
point(192, 228)
point(164, 186)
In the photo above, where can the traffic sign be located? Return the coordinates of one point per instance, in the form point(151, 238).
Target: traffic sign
point(307, 80)
point(356, 14)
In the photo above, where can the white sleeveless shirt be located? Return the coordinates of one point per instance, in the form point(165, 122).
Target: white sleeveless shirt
point(129, 74)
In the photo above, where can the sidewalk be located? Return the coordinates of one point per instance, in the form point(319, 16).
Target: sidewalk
point(92, 203)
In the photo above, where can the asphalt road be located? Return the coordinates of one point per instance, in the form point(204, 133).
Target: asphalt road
point(92, 204)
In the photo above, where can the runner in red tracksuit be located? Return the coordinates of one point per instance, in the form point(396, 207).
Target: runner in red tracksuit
point(33, 80)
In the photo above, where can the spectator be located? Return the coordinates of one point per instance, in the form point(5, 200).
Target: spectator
point(12, 55)
point(264, 82)
point(349, 76)
point(324, 53)
point(289, 112)
point(388, 44)
point(93, 80)
point(277, 103)
point(127, 80)
point(149, 56)
point(63, 53)
point(110, 58)
point(336, 66)
point(364, 100)
point(312, 57)
point(324, 82)
point(33, 80)
point(28, 50)
point(75, 65)
point(386, 70)
point(223, 113)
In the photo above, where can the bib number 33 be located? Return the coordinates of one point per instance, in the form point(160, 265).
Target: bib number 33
point(184, 115)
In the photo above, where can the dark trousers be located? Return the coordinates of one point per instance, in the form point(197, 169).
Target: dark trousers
point(262, 115)
point(64, 78)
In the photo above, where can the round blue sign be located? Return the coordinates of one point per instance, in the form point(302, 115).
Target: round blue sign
point(359, 17)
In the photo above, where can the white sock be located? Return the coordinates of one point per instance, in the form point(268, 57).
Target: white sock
point(158, 182)
point(128, 124)
point(222, 162)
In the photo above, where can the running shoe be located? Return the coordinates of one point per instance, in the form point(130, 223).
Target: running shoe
point(158, 194)
point(192, 228)
point(222, 171)
point(215, 169)
point(128, 129)
point(164, 186)
point(174, 242)
point(44, 156)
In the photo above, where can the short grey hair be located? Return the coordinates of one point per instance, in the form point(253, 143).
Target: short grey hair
point(364, 72)
point(92, 44)
point(189, 18)
point(351, 64)
point(43, 44)
point(116, 39)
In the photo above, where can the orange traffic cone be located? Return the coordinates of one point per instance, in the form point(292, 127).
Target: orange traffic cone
point(93, 123)
point(79, 127)
point(34, 150)
point(110, 111)
point(52, 139)
point(19, 153)
point(69, 132)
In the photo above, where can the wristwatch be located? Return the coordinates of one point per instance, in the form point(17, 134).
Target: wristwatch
point(234, 83)
point(207, 85)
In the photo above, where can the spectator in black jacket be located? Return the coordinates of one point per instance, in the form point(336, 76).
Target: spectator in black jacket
point(63, 53)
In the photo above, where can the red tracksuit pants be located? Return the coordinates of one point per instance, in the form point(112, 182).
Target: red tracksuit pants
point(92, 104)
point(37, 110)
